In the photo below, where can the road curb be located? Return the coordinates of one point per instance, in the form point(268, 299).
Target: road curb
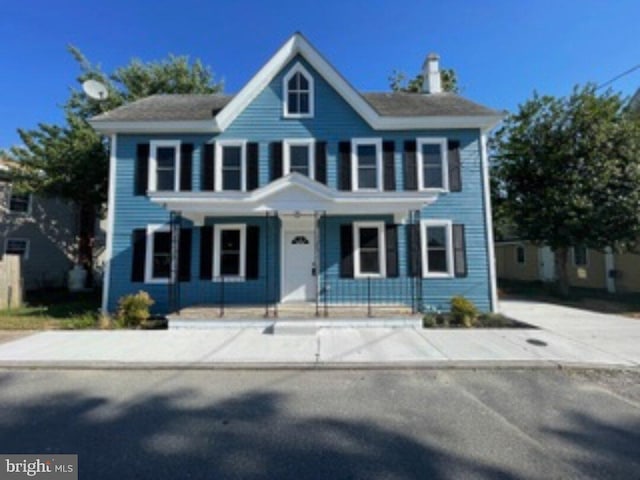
point(253, 366)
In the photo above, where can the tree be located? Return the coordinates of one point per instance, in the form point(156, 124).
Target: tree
point(71, 160)
point(398, 81)
point(569, 169)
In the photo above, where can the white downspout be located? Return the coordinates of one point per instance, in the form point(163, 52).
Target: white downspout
point(491, 258)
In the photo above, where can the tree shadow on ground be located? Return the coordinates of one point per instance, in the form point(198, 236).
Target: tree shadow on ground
point(250, 436)
point(613, 449)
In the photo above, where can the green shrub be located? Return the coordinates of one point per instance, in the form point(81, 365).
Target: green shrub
point(463, 311)
point(133, 309)
point(429, 321)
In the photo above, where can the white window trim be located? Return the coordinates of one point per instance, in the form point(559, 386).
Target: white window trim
point(382, 253)
point(217, 234)
point(355, 143)
point(152, 176)
point(586, 258)
point(524, 255)
point(442, 142)
point(148, 261)
point(297, 68)
point(29, 204)
point(287, 143)
point(220, 145)
point(27, 246)
point(424, 225)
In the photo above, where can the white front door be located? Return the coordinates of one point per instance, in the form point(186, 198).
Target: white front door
point(547, 264)
point(298, 281)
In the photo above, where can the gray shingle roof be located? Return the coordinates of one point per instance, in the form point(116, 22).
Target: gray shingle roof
point(205, 107)
point(169, 107)
point(397, 104)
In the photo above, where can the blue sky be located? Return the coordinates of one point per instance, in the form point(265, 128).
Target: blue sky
point(502, 50)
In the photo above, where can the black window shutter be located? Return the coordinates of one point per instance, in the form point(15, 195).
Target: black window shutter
point(275, 150)
point(252, 166)
point(388, 163)
point(139, 253)
point(455, 170)
point(253, 252)
point(206, 179)
point(459, 251)
point(391, 243)
point(142, 169)
point(410, 166)
point(184, 255)
point(344, 160)
point(346, 251)
point(321, 162)
point(414, 256)
point(186, 166)
point(206, 252)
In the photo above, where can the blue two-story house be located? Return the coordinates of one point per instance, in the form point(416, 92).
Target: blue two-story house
point(299, 188)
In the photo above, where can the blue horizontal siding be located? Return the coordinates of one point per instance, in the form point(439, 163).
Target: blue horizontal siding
point(334, 121)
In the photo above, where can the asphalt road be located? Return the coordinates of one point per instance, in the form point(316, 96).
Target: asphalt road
point(424, 424)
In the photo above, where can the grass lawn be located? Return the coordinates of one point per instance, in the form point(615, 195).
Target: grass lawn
point(587, 298)
point(53, 309)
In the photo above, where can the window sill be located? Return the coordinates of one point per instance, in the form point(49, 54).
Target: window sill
point(438, 275)
point(297, 115)
point(368, 275)
point(156, 281)
point(229, 279)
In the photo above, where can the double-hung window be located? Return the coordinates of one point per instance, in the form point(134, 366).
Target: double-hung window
point(432, 164)
point(437, 248)
point(366, 164)
point(299, 156)
point(159, 264)
point(298, 93)
point(229, 251)
point(520, 255)
point(164, 171)
point(580, 256)
point(231, 165)
point(20, 203)
point(369, 255)
point(17, 246)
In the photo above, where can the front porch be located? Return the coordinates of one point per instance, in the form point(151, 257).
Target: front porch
point(294, 249)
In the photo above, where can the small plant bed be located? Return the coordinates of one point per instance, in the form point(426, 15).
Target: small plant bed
point(464, 314)
point(485, 320)
point(133, 312)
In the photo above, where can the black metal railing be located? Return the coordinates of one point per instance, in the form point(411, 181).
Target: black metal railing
point(370, 294)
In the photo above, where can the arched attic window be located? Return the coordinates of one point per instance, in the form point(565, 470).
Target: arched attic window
point(298, 93)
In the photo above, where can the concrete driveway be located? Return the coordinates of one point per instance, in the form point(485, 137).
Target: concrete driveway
point(612, 334)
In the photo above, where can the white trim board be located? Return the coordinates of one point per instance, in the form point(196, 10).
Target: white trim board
point(111, 202)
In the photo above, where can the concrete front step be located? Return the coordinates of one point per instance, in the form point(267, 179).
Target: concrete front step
point(294, 326)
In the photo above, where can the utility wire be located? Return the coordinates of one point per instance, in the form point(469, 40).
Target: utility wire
point(631, 70)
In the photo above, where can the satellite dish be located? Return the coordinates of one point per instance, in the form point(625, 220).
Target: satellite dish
point(95, 89)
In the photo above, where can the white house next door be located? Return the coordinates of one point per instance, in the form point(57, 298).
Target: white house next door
point(298, 281)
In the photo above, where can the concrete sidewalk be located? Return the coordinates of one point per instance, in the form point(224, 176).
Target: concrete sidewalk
point(566, 337)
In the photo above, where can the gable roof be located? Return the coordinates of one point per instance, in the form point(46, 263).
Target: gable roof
point(174, 107)
point(212, 113)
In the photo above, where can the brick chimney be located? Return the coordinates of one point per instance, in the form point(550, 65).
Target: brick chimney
point(431, 82)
